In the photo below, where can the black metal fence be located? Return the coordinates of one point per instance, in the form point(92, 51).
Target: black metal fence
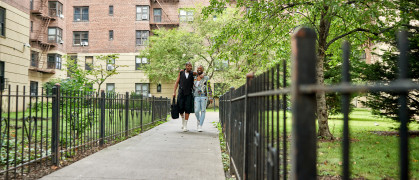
point(254, 116)
point(38, 131)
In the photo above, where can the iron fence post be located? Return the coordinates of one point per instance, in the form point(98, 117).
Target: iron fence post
point(303, 105)
point(102, 118)
point(345, 112)
point(152, 109)
point(403, 46)
point(141, 112)
point(160, 111)
point(245, 124)
point(126, 113)
point(55, 124)
point(229, 126)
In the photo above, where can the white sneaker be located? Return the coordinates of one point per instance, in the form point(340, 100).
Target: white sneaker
point(185, 129)
point(199, 128)
point(183, 123)
point(197, 124)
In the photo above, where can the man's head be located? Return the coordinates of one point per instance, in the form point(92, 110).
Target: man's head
point(200, 69)
point(188, 66)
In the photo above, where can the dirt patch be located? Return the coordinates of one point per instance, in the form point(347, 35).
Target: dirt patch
point(337, 139)
point(336, 178)
point(395, 133)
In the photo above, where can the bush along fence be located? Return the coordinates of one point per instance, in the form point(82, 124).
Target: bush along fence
point(44, 130)
point(254, 115)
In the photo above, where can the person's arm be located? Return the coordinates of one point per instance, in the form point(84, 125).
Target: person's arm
point(176, 85)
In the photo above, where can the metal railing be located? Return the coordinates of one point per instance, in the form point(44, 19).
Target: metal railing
point(48, 129)
point(254, 116)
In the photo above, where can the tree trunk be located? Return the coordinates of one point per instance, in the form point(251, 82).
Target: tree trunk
point(322, 115)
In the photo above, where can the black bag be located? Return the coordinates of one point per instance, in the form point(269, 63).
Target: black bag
point(174, 110)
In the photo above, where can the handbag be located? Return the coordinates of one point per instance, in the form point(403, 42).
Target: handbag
point(174, 110)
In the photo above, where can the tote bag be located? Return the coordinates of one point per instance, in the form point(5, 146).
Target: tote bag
point(174, 109)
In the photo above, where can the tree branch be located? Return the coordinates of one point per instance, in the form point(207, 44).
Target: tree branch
point(353, 31)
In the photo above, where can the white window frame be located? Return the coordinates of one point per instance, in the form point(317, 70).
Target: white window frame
point(142, 13)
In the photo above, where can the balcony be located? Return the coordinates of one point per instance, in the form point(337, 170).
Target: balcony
point(165, 21)
point(35, 66)
point(165, 1)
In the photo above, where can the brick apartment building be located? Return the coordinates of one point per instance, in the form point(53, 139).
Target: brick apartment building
point(84, 29)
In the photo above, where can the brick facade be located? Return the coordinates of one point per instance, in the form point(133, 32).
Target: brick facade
point(122, 22)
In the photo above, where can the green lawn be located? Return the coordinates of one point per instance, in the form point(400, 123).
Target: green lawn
point(372, 156)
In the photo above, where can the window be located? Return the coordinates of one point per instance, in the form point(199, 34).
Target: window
point(33, 88)
point(157, 15)
point(158, 87)
point(363, 56)
point(139, 61)
point(55, 8)
point(110, 64)
point(110, 35)
point(31, 26)
point(81, 38)
point(142, 37)
point(54, 61)
point(55, 35)
point(186, 15)
point(142, 13)
point(2, 21)
point(89, 63)
point(81, 13)
point(111, 10)
point(142, 88)
point(2, 79)
point(34, 58)
point(110, 87)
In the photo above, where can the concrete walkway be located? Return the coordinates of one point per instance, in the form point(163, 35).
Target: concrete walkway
point(164, 152)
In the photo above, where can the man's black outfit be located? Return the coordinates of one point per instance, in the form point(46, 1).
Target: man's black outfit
point(185, 95)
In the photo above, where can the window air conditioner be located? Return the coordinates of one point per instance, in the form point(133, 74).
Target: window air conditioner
point(84, 43)
point(61, 42)
point(109, 67)
point(144, 17)
point(190, 19)
point(61, 15)
point(78, 20)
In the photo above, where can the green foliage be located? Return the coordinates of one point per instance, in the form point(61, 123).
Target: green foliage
point(224, 154)
point(386, 104)
point(170, 49)
point(100, 71)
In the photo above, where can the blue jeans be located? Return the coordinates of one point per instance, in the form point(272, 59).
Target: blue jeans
point(200, 108)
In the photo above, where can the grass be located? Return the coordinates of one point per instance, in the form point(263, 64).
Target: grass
point(372, 156)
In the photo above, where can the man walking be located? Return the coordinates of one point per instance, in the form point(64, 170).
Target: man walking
point(202, 90)
point(185, 97)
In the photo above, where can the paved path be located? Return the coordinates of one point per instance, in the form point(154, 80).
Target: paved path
point(164, 152)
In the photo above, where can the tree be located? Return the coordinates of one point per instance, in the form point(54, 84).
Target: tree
point(386, 104)
point(170, 49)
point(264, 32)
point(100, 72)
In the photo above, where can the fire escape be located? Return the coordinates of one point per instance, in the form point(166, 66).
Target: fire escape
point(40, 39)
point(166, 20)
